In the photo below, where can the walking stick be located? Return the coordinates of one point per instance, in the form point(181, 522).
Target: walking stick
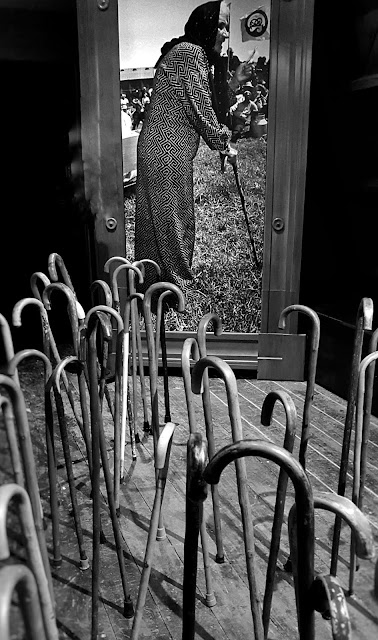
point(363, 322)
point(161, 341)
point(305, 521)
point(117, 391)
point(228, 376)
point(7, 341)
point(135, 323)
point(50, 348)
point(311, 370)
point(55, 385)
point(50, 446)
point(266, 420)
point(28, 462)
point(191, 347)
point(74, 322)
point(17, 577)
point(161, 465)
point(242, 200)
point(206, 403)
point(99, 452)
point(196, 493)
point(360, 436)
point(7, 493)
point(153, 369)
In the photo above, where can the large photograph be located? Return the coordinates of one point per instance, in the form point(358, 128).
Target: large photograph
point(194, 109)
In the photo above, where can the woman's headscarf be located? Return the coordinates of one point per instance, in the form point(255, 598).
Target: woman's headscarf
point(201, 29)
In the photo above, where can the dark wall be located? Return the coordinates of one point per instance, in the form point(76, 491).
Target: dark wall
point(339, 262)
point(41, 211)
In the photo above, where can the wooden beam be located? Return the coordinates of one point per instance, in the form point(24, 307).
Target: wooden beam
point(101, 127)
point(290, 75)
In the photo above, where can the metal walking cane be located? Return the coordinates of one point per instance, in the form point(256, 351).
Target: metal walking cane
point(17, 577)
point(195, 495)
point(55, 260)
point(314, 334)
point(55, 385)
point(117, 389)
point(99, 452)
point(305, 520)
point(153, 370)
point(364, 322)
point(8, 492)
point(50, 446)
point(28, 463)
point(161, 341)
point(49, 345)
point(6, 336)
point(74, 323)
point(266, 420)
point(241, 474)
point(136, 330)
point(360, 436)
point(206, 403)
point(108, 300)
point(242, 200)
point(190, 347)
point(161, 465)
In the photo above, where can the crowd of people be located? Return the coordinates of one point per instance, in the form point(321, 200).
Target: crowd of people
point(251, 103)
point(134, 107)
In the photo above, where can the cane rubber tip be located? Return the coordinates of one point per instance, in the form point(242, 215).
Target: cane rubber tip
point(137, 438)
point(210, 600)
point(288, 566)
point(128, 608)
point(44, 524)
point(118, 512)
point(161, 534)
point(56, 562)
point(146, 427)
point(102, 538)
point(134, 458)
point(219, 559)
point(84, 564)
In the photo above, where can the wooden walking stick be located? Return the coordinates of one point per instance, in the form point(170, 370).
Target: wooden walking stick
point(305, 521)
point(190, 347)
point(314, 336)
point(99, 450)
point(153, 369)
point(161, 466)
point(28, 463)
point(359, 482)
point(363, 322)
point(118, 389)
point(18, 578)
point(50, 446)
point(196, 493)
point(9, 492)
point(135, 324)
point(266, 420)
point(206, 403)
point(241, 474)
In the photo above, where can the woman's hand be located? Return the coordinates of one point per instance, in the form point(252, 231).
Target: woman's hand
point(245, 69)
point(232, 156)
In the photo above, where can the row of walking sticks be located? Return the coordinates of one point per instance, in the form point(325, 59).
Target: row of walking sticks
point(103, 352)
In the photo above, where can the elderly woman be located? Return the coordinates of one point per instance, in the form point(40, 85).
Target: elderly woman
point(183, 108)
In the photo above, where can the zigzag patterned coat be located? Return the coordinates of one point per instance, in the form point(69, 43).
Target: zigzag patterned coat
point(180, 112)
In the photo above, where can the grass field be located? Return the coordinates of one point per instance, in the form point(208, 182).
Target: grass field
point(227, 280)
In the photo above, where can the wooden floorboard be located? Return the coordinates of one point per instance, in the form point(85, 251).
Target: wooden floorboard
point(231, 617)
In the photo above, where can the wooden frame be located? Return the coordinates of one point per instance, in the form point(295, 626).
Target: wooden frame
point(290, 74)
point(289, 95)
point(101, 127)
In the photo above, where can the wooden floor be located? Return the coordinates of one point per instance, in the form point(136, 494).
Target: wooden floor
point(230, 618)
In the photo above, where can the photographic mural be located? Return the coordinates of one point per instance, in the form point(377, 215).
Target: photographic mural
point(228, 196)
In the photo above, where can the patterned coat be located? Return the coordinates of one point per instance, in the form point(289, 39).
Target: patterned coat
point(180, 112)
